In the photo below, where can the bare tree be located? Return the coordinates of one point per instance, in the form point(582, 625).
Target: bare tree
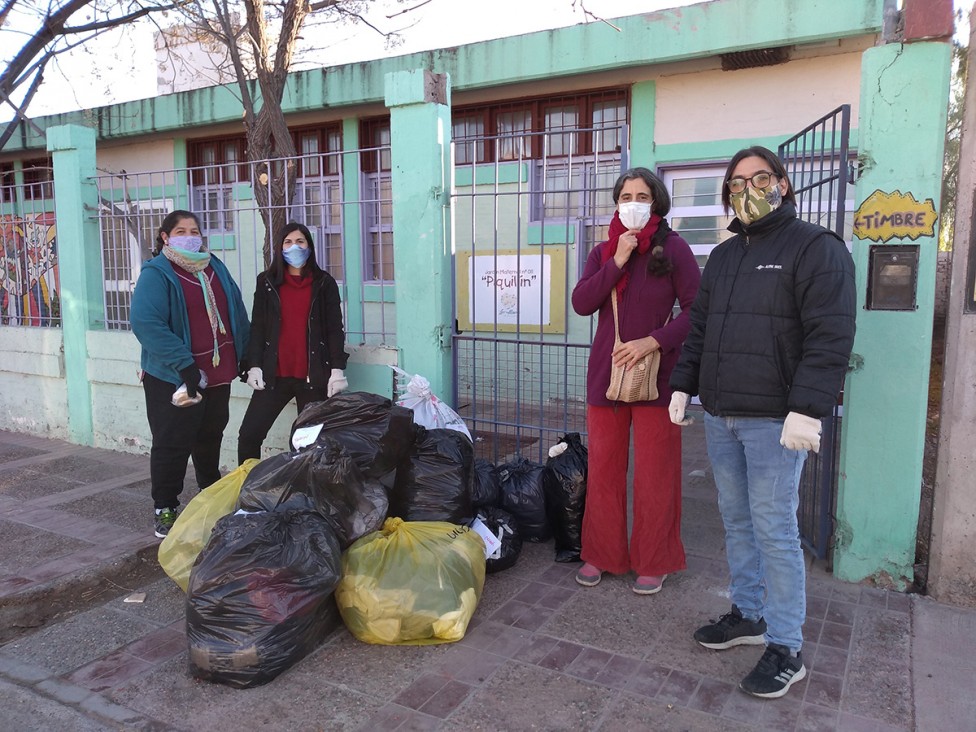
point(261, 38)
point(261, 52)
point(53, 34)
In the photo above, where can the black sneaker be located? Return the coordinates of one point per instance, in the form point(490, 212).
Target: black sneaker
point(732, 630)
point(165, 518)
point(775, 673)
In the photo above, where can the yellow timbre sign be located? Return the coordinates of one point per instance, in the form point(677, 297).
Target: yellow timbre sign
point(885, 216)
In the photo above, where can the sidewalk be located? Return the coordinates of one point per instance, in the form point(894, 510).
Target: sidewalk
point(542, 652)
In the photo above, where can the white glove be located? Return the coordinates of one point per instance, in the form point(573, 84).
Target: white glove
point(679, 402)
point(800, 432)
point(255, 378)
point(337, 383)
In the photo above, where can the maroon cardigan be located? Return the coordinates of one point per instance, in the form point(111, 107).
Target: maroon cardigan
point(643, 310)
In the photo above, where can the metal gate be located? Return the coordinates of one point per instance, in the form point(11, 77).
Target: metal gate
point(523, 226)
point(819, 165)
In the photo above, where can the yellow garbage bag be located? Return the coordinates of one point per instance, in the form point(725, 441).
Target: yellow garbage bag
point(412, 583)
point(191, 532)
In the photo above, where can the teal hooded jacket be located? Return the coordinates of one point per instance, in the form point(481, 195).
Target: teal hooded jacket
point(160, 322)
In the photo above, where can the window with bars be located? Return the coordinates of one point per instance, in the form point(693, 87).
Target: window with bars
point(377, 204)
point(378, 212)
point(374, 136)
point(542, 127)
point(38, 179)
point(318, 148)
point(7, 183)
point(128, 234)
point(216, 165)
point(468, 132)
point(318, 193)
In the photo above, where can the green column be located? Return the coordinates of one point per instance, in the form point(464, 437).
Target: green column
point(420, 131)
point(80, 264)
point(904, 90)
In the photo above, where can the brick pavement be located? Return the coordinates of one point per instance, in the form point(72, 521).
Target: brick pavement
point(541, 653)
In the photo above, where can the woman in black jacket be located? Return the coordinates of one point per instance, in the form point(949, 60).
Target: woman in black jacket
point(297, 336)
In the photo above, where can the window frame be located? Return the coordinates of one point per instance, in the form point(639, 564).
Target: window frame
point(38, 179)
point(538, 109)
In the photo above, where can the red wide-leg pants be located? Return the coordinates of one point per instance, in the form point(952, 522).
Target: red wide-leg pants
point(655, 543)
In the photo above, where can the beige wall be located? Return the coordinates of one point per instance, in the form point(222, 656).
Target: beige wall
point(142, 157)
point(715, 104)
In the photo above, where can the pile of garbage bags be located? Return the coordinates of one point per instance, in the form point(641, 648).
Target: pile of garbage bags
point(380, 517)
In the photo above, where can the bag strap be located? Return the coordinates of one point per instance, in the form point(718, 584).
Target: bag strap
point(616, 325)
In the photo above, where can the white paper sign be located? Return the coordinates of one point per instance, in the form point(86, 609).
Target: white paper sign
point(492, 542)
point(305, 436)
point(510, 289)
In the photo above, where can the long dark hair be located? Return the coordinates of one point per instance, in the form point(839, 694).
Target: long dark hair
point(776, 167)
point(276, 272)
point(658, 265)
point(169, 223)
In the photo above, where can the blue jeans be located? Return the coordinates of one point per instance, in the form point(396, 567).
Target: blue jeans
point(758, 481)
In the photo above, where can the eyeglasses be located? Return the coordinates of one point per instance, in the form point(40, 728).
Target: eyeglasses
point(759, 180)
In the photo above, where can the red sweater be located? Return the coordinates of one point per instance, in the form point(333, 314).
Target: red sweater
point(296, 303)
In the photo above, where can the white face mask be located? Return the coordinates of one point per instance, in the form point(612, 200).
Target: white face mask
point(634, 214)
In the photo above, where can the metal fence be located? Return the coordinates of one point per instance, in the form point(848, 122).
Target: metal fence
point(818, 162)
point(523, 229)
point(225, 198)
point(29, 284)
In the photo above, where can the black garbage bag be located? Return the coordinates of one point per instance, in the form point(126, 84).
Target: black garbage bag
point(434, 483)
point(322, 478)
point(377, 433)
point(523, 497)
point(564, 484)
point(260, 596)
point(486, 489)
point(502, 524)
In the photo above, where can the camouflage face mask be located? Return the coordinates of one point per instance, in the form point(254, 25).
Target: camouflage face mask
point(753, 203)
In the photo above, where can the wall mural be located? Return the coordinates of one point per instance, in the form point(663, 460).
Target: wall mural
point(29, 270)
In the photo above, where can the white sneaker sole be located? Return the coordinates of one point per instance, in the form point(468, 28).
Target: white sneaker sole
point(798, 676)
point(742, 640)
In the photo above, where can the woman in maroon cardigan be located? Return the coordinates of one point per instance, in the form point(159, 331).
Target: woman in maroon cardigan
point(650, 267)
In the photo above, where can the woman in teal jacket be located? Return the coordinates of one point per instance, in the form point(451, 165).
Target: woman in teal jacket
point(190, 320)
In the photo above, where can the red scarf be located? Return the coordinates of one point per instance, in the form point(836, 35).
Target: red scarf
point(644, 237)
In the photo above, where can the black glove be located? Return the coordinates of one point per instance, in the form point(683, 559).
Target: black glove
point(242, 368)
point(191, 377)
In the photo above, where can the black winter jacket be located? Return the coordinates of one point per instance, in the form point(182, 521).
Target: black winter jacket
point(326, 335)
point(772, 326)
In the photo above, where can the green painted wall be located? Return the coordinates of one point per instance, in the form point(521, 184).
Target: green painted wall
point(902, 131)
point(643, 102)
point(678, 34)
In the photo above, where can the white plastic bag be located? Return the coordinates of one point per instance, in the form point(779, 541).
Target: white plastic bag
point(428, 410)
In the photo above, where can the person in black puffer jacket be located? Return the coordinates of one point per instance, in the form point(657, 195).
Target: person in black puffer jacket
point(771, 334)
point(296, 345)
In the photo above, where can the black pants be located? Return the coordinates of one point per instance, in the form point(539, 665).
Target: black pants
point(265, 406)
point(179, 433)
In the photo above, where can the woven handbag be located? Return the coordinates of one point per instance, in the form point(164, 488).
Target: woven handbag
point(638, 383)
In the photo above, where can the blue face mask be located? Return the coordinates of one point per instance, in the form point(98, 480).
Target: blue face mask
point(186, 243)
point(295, 256)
